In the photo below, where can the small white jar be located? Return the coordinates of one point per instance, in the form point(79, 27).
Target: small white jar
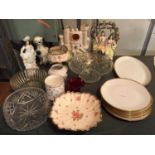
point(55, 86)
point(58, 69)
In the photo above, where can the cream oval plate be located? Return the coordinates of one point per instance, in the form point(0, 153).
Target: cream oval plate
point(125, 94)
point(132, 68)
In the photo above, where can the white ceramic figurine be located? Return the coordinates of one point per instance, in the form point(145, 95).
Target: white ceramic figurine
point(28, 54)
point(41, 50)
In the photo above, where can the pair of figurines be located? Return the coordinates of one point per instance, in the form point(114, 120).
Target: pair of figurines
point(104, 44)
point(105, 36)
point(30, 53)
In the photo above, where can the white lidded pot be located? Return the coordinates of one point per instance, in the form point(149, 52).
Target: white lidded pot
point(58, 69)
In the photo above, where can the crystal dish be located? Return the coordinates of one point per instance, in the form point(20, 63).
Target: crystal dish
point(26, 109)
point(90, 66)
point(28, 78)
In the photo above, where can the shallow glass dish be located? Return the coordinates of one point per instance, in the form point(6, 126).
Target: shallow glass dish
point(26, 109)
point(90, 66)
point(28, 78)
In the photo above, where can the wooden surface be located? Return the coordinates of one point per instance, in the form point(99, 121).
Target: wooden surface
point(5, 90)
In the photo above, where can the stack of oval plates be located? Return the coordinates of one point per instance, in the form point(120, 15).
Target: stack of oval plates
point(126, 99)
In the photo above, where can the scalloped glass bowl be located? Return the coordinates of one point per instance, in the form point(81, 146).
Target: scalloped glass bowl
point(26, 109)
point(28, 78)
point(90, 66)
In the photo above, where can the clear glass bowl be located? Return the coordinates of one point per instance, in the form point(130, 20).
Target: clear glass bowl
point(28, 78)
point(26, 109)
point(90, 66)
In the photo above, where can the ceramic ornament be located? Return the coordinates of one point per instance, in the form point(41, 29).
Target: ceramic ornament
point(41, 49)
point(75, 39)
point(76, 111)
point(132, 68)
point(58, 54)
point(28, 54)
point(105, 36)
point(61, 40)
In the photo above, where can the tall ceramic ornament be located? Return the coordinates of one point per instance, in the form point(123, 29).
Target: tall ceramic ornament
point(41, 50)
point(75, 39)
point(105, 36)
point(28, 54)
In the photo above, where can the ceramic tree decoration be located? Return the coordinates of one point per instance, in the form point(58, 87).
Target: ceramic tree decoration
point(28, 54)
point(105, 36)
point(41, 50)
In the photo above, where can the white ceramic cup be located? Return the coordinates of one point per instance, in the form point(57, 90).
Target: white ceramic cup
point(58, 69)
point(55, 86)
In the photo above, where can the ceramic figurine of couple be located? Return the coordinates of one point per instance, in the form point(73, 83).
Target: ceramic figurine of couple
point(29, 54)
point(101, 38)
point(103, 44)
